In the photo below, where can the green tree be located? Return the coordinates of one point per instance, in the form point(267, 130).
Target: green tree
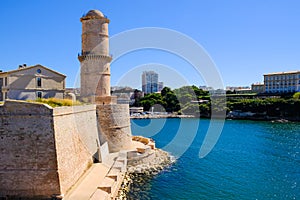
point(151, 99)
point(191, 109)
point(296, 95)
point(165, 90)
point(171, 102)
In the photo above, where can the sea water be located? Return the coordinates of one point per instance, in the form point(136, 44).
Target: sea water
point(251, 160)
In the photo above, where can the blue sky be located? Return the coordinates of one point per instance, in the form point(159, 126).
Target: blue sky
point(245, 39)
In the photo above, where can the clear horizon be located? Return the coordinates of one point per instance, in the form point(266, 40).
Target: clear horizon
point(244, 39)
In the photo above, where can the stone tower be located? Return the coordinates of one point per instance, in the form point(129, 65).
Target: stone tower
point(113, 119)
point(95, 59)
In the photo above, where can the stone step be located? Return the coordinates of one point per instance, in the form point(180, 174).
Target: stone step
point(123, 154)
point(114, 177)
point(120, 166)
point(100, 195)
point(121, 160)
point(113, 171)
point(114, 174)
point(107, 185)
point(151, 145)
point(88, 183)
point(144, 149)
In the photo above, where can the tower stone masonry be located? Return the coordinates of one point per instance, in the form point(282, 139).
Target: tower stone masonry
point(95, 59)
point(113, 119)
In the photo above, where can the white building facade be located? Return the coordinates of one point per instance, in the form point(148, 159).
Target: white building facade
point(30, 83)
point(282, 82)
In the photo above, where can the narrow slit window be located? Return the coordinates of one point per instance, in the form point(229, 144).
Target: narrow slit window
point(39, 82)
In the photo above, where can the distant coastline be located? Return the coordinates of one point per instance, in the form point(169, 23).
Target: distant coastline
point(157, 116)
point(253, 118)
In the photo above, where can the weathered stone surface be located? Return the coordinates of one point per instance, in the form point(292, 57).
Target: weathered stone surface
point(76, 140)
point(44, 151)
point(94, 58)
point(28, 164)
point(114, 123)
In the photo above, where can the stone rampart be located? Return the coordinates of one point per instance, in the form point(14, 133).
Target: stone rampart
point(28, 161)
point(44, 150)
point(76, 140)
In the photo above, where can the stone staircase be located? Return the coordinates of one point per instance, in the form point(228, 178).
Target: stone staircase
point(109, 186)
point(102, 181)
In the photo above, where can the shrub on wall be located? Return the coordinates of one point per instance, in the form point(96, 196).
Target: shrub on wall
point(53, 102)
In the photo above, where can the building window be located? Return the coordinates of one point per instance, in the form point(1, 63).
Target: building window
point(39, 71)
point(5, 81)
point(39, 95)
point(39, 82)
point(5, 95)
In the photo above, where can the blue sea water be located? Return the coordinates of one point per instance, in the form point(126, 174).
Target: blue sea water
point(251, 160)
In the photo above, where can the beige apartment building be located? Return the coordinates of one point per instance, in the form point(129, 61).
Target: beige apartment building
point(282, 82)
point(258, 88)
point(29, 83)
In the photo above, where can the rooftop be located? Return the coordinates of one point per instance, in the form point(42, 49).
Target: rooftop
point(94, 14)
point(24, 67)
point(254, 84)
point(282, 73)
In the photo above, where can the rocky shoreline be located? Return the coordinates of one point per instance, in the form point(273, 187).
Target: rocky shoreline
point(136, 176)
point(252, 118)
point(156, 116)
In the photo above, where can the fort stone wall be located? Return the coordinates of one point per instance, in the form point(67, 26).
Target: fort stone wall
point(76, 140)
point(28, 162)
point(44, 150)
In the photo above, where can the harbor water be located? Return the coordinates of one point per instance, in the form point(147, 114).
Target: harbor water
point(251, 160)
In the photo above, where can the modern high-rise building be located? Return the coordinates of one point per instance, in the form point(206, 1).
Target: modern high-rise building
point(160, 86)
point(149, 82)
point(282, 82)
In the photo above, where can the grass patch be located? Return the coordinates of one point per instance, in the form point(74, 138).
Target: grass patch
point(53, 102)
